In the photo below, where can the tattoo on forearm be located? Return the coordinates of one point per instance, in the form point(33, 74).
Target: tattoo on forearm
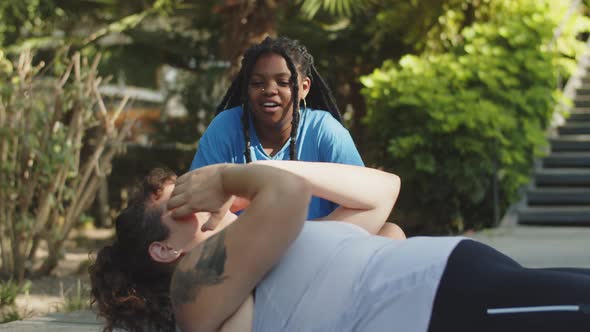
point(208, 270)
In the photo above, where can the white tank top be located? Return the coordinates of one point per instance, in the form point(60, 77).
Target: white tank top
point(337, 277)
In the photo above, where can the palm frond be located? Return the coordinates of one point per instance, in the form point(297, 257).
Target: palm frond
point(347, 8)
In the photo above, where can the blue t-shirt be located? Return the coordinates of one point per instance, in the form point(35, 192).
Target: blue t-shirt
point(320, 137)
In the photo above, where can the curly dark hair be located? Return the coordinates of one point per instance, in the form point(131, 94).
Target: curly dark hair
point(130, 289)
point(299, 61)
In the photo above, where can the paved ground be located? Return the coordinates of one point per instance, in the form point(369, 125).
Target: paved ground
point(541, 246)
point(532, 246)
point(79, 321)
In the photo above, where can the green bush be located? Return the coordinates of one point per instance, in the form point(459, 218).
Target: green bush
point(57, 141)
point(10, 289)
point(450, 123)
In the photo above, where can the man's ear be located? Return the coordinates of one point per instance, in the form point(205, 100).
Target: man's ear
point(161, 252)
point(304, 87)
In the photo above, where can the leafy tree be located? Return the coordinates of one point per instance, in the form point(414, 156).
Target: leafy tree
point(453, 123)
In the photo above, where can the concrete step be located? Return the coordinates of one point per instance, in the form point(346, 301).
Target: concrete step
point(575, 128)
point(570, 143)
point(583, 90)
point(562, 177)
point(579, 114)
point(563, 215)
point(582, 114)
point(558, 196)
point(582, 101)
point(567, 159)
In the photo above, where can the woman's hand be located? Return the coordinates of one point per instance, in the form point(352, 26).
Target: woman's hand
point(201, 191)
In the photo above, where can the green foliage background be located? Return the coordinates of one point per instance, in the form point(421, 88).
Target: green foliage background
point(452, 122)
point(453, 95)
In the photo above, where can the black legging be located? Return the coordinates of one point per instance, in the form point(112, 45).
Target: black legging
point(480, 284)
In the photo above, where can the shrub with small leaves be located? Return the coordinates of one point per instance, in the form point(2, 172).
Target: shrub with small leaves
point(451, 124)
point(49, 167)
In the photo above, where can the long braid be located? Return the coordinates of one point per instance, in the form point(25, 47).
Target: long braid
point(294, 128)
point(228, 95)
point(248, 63)
point(247, 66)
point(322, 97)
point(246, 128)
point(234, 97)
point(295, 95)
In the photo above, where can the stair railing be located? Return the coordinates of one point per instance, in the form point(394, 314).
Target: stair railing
point(575, 80)
point(571, 10)
point(569, 92)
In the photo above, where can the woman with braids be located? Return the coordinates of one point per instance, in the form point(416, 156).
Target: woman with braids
point(269, 270)
point(256, 118)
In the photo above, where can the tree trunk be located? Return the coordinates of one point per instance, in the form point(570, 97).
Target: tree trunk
point(49, 263)
point(246, 22)
point(102, 205)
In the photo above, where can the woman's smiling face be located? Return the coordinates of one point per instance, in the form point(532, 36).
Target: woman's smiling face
point(269, 91)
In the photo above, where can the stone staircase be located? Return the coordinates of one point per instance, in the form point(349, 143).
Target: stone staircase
point(560, 194)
